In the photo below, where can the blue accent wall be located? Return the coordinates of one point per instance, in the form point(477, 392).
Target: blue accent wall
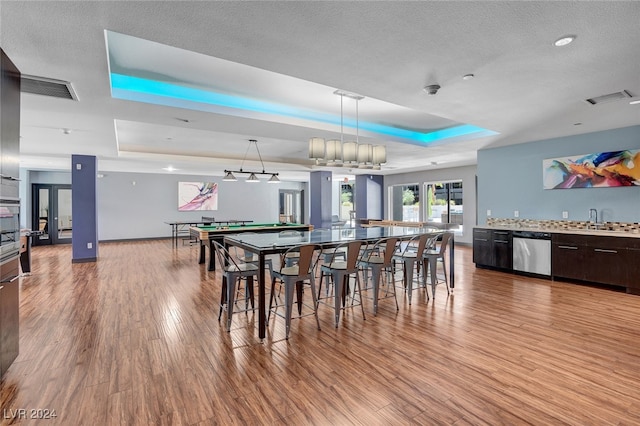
point(320, 188)
point(83, 208)
point(510, 178)
point(369, 196)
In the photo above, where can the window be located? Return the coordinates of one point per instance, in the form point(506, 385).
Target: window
point(405, 203)
point(444, 203)
point(346, 201)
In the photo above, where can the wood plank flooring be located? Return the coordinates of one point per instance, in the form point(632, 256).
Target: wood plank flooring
point(134, 339)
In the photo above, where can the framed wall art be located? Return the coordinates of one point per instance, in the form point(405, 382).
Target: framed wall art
point(194, 196)
point(601, 169)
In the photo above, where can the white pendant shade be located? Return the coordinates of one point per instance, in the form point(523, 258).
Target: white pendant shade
point(350, 152)
point(316, 148)
point(333, 150)
point(365, 153)
point(379, 155)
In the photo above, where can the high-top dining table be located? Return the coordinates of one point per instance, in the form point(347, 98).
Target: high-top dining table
point(264, 244)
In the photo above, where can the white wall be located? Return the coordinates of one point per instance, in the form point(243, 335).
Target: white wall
point(129, 211)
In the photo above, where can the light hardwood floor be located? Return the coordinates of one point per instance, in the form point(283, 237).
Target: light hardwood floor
point(134, 339)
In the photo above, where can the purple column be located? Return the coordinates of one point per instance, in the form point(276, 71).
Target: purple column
point(369, 197)
point(320, 199)
point(83, 209)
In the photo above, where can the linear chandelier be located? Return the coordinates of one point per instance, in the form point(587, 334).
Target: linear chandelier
point(253, 176)
point(338, 153)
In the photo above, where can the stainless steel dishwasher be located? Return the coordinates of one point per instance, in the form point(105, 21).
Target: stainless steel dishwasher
point(532, 252)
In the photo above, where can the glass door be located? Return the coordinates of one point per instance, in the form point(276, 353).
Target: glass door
point(291, 206)
point(51, 214)
point(444, 203)
point(405, 203)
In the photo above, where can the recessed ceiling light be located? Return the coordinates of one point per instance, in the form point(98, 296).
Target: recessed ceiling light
point(169, 169)
point(564, 40)
point(636, 102)
point(468, 77)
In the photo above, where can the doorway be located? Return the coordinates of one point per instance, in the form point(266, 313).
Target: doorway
point(51, 213)
point(291, 206)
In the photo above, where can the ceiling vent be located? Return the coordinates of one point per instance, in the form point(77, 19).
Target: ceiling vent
point(47, 87)
point(616, 96)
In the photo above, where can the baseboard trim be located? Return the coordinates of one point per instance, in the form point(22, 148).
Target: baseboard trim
point(85, 260)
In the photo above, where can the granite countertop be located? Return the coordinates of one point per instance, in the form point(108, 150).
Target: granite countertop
point(607, 233)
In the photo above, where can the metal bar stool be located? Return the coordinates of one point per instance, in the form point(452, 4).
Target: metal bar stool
point(379, 259)
point(231, 275)
point(294, 275)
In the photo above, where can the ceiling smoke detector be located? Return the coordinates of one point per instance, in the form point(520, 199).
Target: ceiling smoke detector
point(431, 89)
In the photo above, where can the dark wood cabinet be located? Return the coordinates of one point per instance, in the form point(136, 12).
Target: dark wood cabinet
point(601, 259)
point(598, 259)
point(607, 258)
point(502, 249)
point(9, 316)
point(493, 248)
point(568, 254)
point(482, 248)
point(633, 266)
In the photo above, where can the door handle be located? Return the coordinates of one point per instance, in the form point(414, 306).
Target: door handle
point(7, 281)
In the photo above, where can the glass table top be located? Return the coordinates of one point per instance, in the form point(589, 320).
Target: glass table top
point(325, 236)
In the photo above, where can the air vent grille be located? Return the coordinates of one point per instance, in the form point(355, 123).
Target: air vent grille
point(47, 87)
point(609, 98)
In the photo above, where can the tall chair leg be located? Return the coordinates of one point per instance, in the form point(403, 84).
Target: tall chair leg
point(434, 278)
point(337, 295)
point(271, 297)
point(359, 286)
point(231, 294)
point(393, 288)
point(315, 300)
point(375, 277)
point(408, 267)
point(446, 279)
point(223, 295)
point(289, 287)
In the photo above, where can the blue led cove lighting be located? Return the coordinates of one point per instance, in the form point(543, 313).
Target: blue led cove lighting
point(138, 89)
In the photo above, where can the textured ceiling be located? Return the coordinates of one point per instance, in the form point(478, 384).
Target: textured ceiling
point(524, 88)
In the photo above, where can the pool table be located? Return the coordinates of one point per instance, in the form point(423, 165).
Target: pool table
point(206, 234)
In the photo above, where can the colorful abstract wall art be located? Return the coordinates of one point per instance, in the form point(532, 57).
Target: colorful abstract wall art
point(197, 196)
point(603, 169)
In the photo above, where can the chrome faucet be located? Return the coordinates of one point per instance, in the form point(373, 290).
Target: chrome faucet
point(593, 214)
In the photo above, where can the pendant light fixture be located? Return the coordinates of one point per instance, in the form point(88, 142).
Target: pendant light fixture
point(350, 148)
point(253, 176)
point(337, 153)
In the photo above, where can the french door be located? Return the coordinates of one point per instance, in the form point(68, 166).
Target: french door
point(291, 206)
point(51, 213)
